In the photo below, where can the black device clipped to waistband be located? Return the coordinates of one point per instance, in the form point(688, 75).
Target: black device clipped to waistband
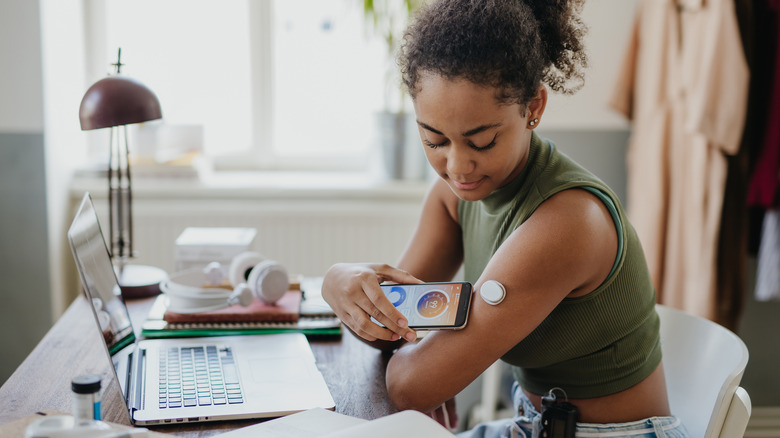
point(559, 418)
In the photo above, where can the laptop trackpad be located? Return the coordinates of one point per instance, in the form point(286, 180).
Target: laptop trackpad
point(285, 369)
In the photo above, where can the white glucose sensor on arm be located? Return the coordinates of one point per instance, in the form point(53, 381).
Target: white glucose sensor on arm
point(492, 292)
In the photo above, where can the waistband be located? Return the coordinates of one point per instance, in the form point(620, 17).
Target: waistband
point(528, 423)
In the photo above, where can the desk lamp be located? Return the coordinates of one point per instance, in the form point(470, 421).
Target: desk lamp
point(115, 102)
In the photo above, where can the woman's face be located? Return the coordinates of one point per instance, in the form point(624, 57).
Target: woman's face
point(473, 142)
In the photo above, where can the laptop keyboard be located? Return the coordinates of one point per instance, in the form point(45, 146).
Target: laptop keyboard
point(198, 376)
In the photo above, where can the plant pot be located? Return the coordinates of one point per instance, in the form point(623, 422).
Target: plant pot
point(397, 139)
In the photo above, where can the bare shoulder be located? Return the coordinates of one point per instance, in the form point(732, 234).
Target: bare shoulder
point(579, 232)
point(435, 251)
point(440, 195)
point(579, 211)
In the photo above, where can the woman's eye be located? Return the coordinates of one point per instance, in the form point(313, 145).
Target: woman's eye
point(433, 145)
point(485, 147)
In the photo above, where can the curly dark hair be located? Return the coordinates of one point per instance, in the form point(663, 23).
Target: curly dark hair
point(512, 45)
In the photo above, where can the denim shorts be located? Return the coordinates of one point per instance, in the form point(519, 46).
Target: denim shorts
point(528, 425)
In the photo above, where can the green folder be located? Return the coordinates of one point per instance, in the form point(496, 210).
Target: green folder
point(323, 323)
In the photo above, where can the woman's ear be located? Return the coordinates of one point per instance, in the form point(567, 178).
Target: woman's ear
point(535, 107)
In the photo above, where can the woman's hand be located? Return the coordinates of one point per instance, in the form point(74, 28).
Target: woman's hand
point(352, 290)
point(446, 414)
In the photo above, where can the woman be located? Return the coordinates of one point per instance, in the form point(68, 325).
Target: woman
point(578, 320)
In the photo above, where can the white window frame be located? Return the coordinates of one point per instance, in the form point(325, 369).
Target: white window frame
point(260, 155)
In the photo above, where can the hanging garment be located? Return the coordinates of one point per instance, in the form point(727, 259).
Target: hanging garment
point(684, 86)
point(765, 182)
point(768, 270)
point(764, 190)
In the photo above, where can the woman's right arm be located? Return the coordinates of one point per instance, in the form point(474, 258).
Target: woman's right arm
point(352, 290)
point(434, 254)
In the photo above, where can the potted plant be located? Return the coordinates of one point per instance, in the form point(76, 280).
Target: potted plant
point(402, 157)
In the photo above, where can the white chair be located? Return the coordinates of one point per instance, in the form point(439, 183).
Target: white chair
point(704, 363)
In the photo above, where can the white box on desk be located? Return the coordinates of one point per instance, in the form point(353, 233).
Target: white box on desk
point(196, 247)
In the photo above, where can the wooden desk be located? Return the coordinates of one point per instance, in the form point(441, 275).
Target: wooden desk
point(353, 371)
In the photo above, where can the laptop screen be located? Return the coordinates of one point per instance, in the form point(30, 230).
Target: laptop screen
point(100, 284)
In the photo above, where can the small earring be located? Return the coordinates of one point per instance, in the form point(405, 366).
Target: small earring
point(533, 122)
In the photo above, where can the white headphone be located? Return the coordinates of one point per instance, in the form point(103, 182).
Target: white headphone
point(250, 274)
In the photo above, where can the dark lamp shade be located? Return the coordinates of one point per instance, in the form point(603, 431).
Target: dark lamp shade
point(117, 100)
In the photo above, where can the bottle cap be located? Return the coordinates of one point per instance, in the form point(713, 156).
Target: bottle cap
point(492, 292)
point(85, 384)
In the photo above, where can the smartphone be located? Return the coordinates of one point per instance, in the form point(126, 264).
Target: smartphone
point(432, 306)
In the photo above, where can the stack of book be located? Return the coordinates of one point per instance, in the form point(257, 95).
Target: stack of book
point(299, 311)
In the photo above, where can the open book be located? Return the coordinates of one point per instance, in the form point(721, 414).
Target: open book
point(322, 423)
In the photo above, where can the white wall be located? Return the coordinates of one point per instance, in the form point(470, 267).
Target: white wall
point(62, 48)
point(21, 108)
point(609, 25)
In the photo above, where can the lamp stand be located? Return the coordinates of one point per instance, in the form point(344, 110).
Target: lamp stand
point(115, 102)
point(135, 281)
point(120, 196)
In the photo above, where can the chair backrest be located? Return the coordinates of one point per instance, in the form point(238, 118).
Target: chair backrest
point(703, 363)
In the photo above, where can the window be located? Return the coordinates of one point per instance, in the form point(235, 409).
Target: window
point(288, 84)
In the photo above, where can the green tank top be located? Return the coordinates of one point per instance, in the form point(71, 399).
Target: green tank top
point(590, 346)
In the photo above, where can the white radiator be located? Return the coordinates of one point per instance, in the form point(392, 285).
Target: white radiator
point(305, 235)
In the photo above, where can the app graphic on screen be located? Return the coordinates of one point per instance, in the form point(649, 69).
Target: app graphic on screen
point(397, 295)
point(425, 304)
point(432, 304)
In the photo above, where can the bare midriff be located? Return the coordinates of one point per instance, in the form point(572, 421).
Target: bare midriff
point(646, 399)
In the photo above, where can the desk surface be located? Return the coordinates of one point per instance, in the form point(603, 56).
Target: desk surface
point(353, 371)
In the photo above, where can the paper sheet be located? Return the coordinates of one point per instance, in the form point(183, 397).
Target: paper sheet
point(322, 423)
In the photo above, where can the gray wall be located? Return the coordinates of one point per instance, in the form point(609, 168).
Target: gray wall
point(25, 312)
point(603, 152)
point(759, 327)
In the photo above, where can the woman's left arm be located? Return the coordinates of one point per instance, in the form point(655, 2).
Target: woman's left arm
point(566, 247)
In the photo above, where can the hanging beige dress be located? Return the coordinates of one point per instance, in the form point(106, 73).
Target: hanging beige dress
point(684, 86)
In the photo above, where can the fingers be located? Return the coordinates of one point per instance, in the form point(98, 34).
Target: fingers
point(452, 413)
point(436, 415)
point(442, 416)
point(375, 305)
point(383, 311)
point(354, 294)
point(446, 416)
point(389, 273)
point(361, 325)
point(389, 316)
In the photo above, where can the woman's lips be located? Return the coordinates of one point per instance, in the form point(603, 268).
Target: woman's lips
point(467, 185)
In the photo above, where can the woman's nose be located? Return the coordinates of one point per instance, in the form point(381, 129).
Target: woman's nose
point(459, 160)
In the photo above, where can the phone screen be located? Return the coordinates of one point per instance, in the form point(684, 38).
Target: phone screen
point(431, 305)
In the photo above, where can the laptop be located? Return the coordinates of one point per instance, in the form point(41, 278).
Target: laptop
point(191, 379)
